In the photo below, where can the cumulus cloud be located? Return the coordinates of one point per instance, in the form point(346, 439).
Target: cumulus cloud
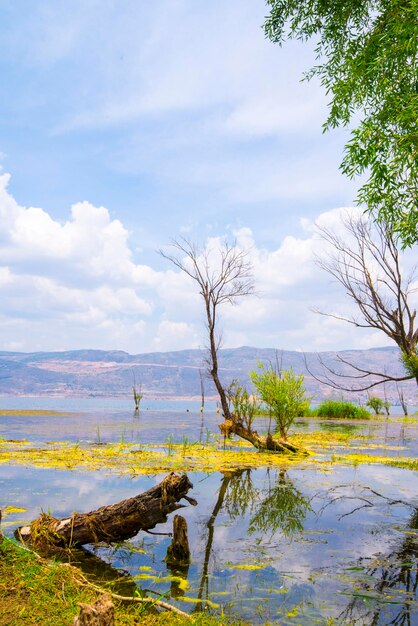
point(47, 303)
point(91, 241)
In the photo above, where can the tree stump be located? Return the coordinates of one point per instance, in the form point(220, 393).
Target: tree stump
point(178, 551)
point(178, 556)
point(109, 524)
point(101, 613)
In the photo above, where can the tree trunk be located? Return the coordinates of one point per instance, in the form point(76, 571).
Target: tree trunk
point(231, 426)
point(112, 523)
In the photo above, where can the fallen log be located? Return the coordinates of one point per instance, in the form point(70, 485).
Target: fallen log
point(112, 523)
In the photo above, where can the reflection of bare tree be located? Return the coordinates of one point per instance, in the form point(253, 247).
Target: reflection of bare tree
point(210, 526)
point(279, 507)
point(362, 496)
point(393, 581)
point(384, 589)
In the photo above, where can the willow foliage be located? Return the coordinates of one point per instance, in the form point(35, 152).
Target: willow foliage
point(367, 54)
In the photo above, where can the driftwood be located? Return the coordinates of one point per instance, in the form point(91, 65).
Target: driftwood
point(101, 613)
point(235, 427)
point(113, 523)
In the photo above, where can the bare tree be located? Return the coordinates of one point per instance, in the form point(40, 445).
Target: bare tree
point(227, 283)
point(402, 400)
point(367, 265)
point(223, 276)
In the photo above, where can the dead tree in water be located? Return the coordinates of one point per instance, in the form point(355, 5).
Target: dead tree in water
point(137, 395)
point(202, 392)
point(178, 551)
point(223, 276)
point(368, 265)
point(113, 523)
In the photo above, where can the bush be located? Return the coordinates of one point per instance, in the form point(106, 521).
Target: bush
point(340, 409)
point(244, 406)
point(375, 403)
point(283, 393)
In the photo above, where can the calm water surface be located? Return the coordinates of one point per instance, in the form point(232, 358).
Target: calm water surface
point(292, 546)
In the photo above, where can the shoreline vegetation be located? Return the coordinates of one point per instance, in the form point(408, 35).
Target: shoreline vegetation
point(37, 591)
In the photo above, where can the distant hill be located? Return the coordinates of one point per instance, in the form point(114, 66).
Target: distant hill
point(171, 374)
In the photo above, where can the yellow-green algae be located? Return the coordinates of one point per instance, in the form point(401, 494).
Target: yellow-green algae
point(249, 567)
point(134, 459)
point(371, 459)
point(9, 510)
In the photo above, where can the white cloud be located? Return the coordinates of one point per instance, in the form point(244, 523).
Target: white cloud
point(5, 276)
point(91, 241)
point(75, 284)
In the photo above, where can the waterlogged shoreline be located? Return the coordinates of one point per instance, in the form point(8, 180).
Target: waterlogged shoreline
point(274, 538)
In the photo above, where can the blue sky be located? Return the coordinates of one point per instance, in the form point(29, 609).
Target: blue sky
point(124, 125)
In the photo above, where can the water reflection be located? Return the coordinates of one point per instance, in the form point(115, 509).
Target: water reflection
point(276, 507)
point(283, 508)
point(351, 429)
point(258, 545)
point(386, 591)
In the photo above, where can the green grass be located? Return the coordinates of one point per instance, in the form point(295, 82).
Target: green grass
point(32, 592)
point(35, 591)
point(340, 409)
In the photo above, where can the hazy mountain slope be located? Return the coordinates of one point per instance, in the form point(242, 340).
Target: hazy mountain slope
point(166, 374)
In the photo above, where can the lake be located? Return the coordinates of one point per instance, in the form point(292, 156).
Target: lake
point(301, 544)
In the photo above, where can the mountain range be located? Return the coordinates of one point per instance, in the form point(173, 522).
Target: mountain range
point(164, 375)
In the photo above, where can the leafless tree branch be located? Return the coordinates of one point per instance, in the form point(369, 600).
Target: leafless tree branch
point(367, 265)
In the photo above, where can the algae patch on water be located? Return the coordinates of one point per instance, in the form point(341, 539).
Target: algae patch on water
point(9, 510)
point(371, 459)
point(135, 459)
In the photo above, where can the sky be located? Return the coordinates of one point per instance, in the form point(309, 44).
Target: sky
point(126, 125)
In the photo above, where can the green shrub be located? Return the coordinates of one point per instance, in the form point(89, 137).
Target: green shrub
point(283, 393)
point(241, 403)
point(375, 403)
point(341, 409)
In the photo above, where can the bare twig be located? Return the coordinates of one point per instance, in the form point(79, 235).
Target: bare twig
point(135, 599)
